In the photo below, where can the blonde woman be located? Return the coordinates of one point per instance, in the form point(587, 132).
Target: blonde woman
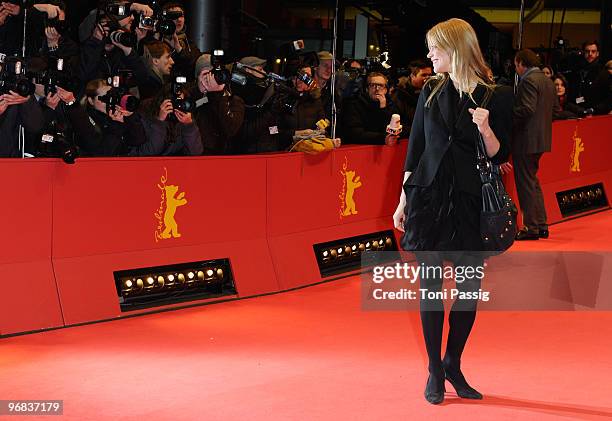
point(439, 208)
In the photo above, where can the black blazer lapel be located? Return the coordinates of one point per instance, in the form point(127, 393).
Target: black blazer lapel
point(444, 103)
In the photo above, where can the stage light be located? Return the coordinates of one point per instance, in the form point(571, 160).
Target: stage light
point(143, 288)
point(583, 199)
point(345, 255)
point(278, 61)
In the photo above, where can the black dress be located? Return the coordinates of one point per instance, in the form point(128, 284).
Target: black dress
point(441, 216)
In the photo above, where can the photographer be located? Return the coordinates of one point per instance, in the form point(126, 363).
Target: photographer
point(108, 44)
point(366, 117)
point(260, 131)
point(184, 51)
point(308, 109)
point(219, 114)
point(47, 31)
point(15, 111)
point(169, 130)
point(406, 95)
point(159, 66)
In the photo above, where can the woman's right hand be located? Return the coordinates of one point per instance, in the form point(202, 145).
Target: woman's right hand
point(165, 109)
point(399, 217)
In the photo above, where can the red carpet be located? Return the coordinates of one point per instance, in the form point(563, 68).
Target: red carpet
point(312, 354)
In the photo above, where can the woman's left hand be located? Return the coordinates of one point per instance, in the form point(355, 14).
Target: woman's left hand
point(183, 118)
point(480, 116)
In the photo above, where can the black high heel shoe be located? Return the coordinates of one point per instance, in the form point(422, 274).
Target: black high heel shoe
point(463, 389)
point(434, 390)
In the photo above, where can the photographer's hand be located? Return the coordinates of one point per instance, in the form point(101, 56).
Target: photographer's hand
point(52, 37)
point(126, 50)
point(3, 15)
point(100, 31)
point(207, 83)
point(140, 34)
point(67, 97)
point(10, 8)
point(183, 118)
point(52, 100)
point(141, 8)
point(165, 109)
point(116, 115)
point(3, 105)
point(13, 98)
point(51, 10)
point(175, 43)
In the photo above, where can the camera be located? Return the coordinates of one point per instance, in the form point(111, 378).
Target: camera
point(305, 78)
point(118, 10)
point(118, 96)
point(55, 76)
point(12, 77)
point(179, 102)
point(221, 74)
point(162, 22)
point(55, 145)
point(126, 39)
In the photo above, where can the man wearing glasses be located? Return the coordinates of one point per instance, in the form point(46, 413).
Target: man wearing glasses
point(366, 117)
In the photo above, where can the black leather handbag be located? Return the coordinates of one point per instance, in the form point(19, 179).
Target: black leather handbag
point(498, 213)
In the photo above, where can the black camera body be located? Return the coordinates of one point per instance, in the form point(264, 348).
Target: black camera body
point(13, 76)
point(221, 74)
point(179, 101)
point(162, 22)
point(55, 76)
point(119, 95)
point(54, 144)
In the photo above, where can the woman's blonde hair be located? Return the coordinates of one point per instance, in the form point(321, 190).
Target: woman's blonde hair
point(457, 38)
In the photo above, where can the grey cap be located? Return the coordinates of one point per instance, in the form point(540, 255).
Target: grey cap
point(203, 63)
point(253, 61)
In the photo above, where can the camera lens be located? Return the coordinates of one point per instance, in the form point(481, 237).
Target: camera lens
point(129, 103)
point(166, 27)
point(124, 38)
point(24, 87)
point(222, 76)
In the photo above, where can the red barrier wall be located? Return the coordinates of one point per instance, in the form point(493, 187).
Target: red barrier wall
point(558, 169)
point(69, 227)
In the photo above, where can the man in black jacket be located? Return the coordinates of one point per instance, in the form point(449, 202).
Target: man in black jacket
point(366, 117)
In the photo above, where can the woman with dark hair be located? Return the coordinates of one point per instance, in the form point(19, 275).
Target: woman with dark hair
point(439, 208)
point(172, 131)
point(568, 108)
point(548, 71)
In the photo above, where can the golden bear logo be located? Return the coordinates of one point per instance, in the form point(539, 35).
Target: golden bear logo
point(167, 226)
point(576, 151)
point(350, 183)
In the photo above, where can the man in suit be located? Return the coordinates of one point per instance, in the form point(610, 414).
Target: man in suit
point(532, 121)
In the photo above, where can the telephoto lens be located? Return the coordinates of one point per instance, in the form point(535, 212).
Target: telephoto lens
point(124, 38)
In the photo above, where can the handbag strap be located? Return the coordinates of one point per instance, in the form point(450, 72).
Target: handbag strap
point(483, 163)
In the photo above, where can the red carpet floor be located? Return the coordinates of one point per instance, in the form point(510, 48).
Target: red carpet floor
point(312, 354)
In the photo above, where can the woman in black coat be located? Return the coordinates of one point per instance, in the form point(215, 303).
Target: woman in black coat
point(439, 209)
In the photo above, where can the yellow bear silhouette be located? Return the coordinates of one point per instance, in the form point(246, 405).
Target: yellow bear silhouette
point(352, 183)
point(171, 204)
point(578, 148)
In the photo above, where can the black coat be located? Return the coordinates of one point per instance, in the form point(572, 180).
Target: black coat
point(364, 122)
point(432, 136)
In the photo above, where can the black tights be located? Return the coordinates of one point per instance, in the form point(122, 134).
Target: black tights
point(462, 314)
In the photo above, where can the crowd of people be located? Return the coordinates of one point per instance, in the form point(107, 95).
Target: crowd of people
point(135, 84)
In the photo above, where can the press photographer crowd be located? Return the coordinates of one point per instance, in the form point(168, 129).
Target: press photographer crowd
point(134, 84)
